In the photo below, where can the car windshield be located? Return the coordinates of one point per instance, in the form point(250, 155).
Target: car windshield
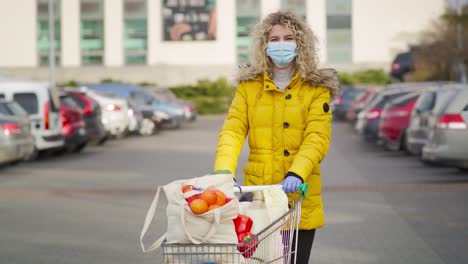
point(4, 109)
point(165, 95)
point(360, 95)
point(443, 101)
point(16, 109)
point(348, 93)
point(68, 102)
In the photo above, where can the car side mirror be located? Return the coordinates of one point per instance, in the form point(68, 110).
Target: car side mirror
point(417, 111)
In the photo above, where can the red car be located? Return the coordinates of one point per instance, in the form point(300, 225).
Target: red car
point(73, 125)
point(92, 117)
point(358, 104)
point(395, 120)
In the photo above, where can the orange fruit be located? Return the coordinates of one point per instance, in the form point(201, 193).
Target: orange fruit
point(199, 206)
point(221, 198)
point(213, 206)
point(187, 188)
point(209, 196)
point(193, 197)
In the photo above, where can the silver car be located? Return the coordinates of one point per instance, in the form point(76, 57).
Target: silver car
point(422, 117)
point(448, 137)
point(16, 140)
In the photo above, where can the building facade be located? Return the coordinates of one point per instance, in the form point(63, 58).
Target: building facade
point(180, 41)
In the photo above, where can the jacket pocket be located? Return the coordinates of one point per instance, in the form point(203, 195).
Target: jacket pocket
point(253, 168)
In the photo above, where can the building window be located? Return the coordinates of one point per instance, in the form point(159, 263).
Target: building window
point(43, 31)
point(135, 31)
point(248, 14)
point(298, 7)
point(92, 32)
point(339, 31)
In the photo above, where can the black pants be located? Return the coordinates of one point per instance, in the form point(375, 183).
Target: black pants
point(304, 246)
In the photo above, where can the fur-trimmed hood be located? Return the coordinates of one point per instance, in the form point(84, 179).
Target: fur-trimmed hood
point(325, 77)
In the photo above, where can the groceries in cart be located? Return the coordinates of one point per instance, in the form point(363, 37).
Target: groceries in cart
point(205, 201)
point(206, 223)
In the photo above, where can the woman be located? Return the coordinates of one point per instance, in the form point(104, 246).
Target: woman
point(283, 104)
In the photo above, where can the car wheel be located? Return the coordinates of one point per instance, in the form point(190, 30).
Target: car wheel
point(404, 142)
point(80, 147)
point(120, 135)
point(33, 156)
point(102, 141)
point(148, 127)
point(15, 162)
point(430, 163)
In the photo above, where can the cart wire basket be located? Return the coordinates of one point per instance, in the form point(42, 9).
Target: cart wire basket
point(277, 243)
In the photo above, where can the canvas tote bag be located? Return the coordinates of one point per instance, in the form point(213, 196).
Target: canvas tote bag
point(215, 226)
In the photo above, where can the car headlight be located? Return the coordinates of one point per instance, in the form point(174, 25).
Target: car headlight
point(161, 115)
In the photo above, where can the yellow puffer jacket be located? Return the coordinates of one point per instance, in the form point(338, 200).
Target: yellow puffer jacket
point(288, 132)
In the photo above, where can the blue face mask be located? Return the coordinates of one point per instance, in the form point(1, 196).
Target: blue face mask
point(282, 53)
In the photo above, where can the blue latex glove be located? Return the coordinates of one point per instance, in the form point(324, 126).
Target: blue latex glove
point(291, 184)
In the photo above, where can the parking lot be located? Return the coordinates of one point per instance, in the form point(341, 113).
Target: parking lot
point(381, 207)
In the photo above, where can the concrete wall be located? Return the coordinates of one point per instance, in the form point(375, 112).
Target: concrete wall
point(113, 33)
point(316, 17)
point(18, 45)
point(383, 28)
point(71, 54)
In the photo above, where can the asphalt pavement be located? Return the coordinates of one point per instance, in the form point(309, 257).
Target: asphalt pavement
point(381, 207)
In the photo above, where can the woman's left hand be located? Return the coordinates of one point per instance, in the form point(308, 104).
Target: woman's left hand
point(291, 184)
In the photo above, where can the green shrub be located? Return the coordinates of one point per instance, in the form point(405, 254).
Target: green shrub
point(210, 97)
point(364, 77)
point(71, 83)
point(110, 80)
point(211, 105)
point(147, 84)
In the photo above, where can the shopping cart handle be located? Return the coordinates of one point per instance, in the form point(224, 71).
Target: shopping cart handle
point(240, 189)
point(303, 188)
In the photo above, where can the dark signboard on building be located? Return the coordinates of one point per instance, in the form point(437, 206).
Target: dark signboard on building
point(189, 20)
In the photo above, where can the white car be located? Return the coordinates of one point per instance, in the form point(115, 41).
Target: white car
point(42, 105)
point(114, 112)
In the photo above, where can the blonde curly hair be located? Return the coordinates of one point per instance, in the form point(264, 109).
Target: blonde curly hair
point(306, 59)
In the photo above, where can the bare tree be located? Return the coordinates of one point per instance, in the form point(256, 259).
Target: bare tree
point(437, 55)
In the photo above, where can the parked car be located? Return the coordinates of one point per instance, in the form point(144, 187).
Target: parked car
point(135, 118)
point(92, 114)
point(373, 113)
point(73, 125)
point(342, 103)
point(390, 92)
point(395, 121)
point(361, 115)
point(114, 112)
point(165, 95)
point(16, 140)
point(359, 103)
point(42, 105)
point(448, 138)
point(145, 121)
point(422, 119)
point(171, 115)
point(402, 65)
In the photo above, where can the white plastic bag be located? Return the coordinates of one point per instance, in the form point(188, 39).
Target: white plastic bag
point(275, 205)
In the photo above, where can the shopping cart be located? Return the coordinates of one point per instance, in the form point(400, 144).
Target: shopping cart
point(277, 243)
